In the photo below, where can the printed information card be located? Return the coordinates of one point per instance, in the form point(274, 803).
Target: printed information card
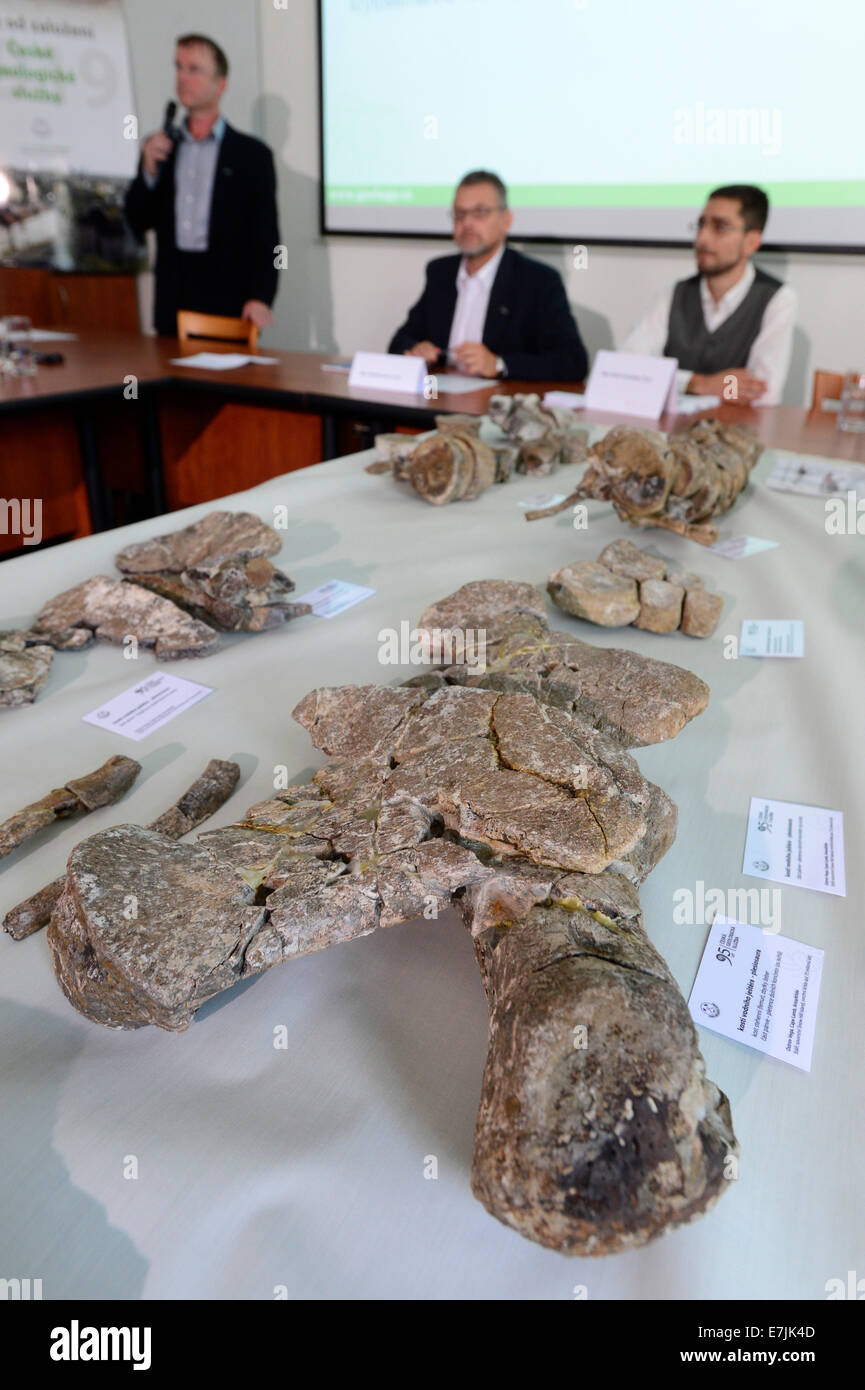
point(772, 637)
point(800, 845)
point(334, 597)
point(147, 705)
point(759, 989)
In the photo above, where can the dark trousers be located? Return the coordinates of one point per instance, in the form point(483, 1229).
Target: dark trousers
point(200, 286)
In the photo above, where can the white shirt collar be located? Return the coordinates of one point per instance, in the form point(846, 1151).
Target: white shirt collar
point(485, 275)
point(733, 298)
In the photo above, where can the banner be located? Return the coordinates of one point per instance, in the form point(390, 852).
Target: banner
point(68, 134)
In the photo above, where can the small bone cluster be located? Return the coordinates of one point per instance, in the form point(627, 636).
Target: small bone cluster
point(456, 465)
point(626, 585)
point(678, 482)
point(178, 593)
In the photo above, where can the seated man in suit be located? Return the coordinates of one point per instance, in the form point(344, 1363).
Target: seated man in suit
point(491, 311)
point(210, 192)
point(730, 326)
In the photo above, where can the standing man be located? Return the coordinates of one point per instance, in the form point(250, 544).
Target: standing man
point(210, 192)
point(729, 320)
point(491, 311)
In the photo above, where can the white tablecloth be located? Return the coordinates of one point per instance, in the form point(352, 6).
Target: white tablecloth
point(300, 1171)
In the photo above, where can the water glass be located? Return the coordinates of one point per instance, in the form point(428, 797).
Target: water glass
point(851, 416)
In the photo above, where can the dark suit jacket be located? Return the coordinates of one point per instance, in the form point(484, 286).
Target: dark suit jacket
point(243, 230)
point(529, 323)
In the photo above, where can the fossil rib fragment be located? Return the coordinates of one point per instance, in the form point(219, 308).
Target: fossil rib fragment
point(679, 482)
point(114, 609)
point(218, 570)
point(79, 795)
point(197, 804)
point(538, 827)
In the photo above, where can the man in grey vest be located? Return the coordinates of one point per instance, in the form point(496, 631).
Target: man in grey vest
point(730, 325)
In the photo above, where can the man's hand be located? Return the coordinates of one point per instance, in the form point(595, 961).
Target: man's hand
point(155, 151)
point(256, 311)
point(428, 351)
point(475, 360)
point(736, 385)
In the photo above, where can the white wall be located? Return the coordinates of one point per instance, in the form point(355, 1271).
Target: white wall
point(343, 293)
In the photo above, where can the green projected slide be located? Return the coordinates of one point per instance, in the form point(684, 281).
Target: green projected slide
point(606, 118)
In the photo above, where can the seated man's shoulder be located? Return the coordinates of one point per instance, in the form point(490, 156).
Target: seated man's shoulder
point(536, 271)
point(443, 265)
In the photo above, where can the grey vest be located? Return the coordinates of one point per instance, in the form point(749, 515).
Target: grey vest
point(697, 349)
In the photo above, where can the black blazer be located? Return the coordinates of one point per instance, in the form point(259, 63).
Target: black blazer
point(529, 323)
point(243, 230)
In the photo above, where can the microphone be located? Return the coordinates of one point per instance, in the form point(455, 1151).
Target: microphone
point(168, 122)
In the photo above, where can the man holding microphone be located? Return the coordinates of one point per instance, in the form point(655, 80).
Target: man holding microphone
point(210, 193)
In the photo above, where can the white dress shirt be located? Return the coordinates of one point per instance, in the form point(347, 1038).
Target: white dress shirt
point(769, 358)
point(473, 297)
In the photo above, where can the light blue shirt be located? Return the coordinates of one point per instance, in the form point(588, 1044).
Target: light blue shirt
point(194, 174)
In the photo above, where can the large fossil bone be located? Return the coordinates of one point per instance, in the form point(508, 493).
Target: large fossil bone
point(677, 482)
point(504, 795)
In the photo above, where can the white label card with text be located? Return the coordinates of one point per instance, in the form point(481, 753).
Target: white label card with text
point(759, 989)
point(334, 597)
point(800, 845)
point(772, 637)
point(147, 705)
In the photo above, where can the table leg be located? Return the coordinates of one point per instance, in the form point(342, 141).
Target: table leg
point(96, 496)
point(152, 454)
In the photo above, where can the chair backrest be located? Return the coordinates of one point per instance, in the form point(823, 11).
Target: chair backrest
point(827, 387)
point(216, 327)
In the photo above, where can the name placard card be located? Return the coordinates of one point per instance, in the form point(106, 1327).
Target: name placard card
point(387, 371)
point(632, 385)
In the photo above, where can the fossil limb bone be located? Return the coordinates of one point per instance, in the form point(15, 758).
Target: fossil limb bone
point(197, 804)
point(78, 796)
point(677, 482)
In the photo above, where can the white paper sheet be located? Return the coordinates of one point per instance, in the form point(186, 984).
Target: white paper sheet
point(334, 597)
point(772, 637)
point(452, 384)
point(542, 499)
point(740, 547)
point(759, 989)
point(51, 335)
point(692, 405)
point(567, 400)
point(789, 842)
point(222, 361)
point(147, 705)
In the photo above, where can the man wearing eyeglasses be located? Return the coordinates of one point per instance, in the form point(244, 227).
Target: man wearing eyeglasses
point(491, 311)
point(730, 325)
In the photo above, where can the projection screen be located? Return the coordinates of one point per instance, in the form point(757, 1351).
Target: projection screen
point(608, 119)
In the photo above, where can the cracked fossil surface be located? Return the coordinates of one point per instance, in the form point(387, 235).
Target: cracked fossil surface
point(598, 1129)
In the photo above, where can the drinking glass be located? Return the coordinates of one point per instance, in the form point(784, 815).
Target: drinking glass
point(18, 345)
point(851, 416)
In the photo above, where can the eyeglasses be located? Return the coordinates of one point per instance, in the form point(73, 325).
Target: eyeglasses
point(477, 214)
point(719, 225)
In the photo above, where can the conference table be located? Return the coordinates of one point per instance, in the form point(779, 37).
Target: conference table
point(119, 430)
point(281, 1146)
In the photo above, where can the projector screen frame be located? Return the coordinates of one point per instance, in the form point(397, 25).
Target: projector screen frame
point(550, 239)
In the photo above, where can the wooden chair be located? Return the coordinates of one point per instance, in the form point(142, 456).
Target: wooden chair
point(192, 327)
point(827, 387)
